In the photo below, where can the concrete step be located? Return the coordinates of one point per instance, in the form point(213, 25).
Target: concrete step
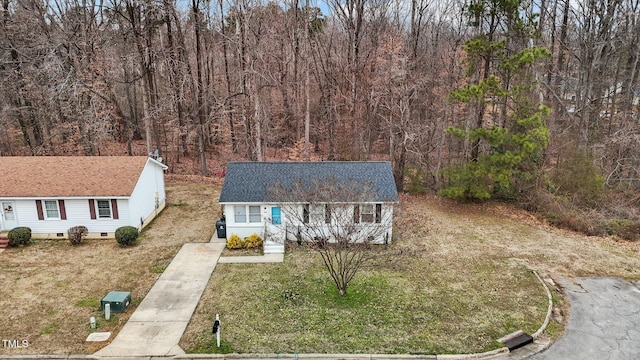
point(273, 248)
point(4, 236)
point(4, 243)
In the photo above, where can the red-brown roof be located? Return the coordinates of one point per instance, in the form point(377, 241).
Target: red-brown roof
point(69, 176)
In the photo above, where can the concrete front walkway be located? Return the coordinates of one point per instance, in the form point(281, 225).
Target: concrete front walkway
point(157, 325)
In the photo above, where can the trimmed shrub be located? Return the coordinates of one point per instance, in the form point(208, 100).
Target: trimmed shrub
point(19, 236)
point(253, 241)
point(76, 234)
point(127, 235)
point(235, 242)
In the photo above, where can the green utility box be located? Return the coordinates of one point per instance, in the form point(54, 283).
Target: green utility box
point(118, 301)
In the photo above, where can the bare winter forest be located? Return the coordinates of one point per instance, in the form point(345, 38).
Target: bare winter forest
point(429, 84)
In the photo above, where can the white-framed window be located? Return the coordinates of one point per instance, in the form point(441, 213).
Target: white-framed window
point(51, 210)
point(242, 213)
point(254, 214)
point(313, 213)
point(104, 209)
point(367, 213)
point(317, 214)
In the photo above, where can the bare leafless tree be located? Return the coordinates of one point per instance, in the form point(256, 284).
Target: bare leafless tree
point(338, 220)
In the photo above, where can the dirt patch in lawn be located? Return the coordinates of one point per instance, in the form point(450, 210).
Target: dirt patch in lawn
point(50, 289)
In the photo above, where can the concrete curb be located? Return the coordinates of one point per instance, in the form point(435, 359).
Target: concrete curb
point(485, 355)
point(549, 308)
point(497, 353)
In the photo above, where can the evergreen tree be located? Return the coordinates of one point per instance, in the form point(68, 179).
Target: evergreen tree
point(504, 148)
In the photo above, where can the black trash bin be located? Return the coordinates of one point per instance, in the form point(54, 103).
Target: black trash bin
point(221, 228)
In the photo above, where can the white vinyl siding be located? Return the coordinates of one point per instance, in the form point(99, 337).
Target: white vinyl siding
point(295, 215)
point(148, 196)
point(77, 211)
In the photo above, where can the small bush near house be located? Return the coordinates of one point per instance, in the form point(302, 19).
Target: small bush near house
point(127, 235)
point(76, 234)
point(253, 241)
point(19, 236)
point(235, 242)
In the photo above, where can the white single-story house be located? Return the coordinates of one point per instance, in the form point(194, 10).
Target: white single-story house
point(286, 200)
point(51, 194)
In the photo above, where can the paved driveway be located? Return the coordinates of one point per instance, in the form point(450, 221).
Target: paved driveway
point(604, 322)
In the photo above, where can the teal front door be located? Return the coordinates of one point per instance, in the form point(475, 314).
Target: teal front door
point(276, 215)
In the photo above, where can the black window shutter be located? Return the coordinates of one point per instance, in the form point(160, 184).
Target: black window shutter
point(327, 214)
point(356, 214)
point(305, 213)
point(378, 213)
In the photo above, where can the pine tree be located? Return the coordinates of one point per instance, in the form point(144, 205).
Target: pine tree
point(505, 147)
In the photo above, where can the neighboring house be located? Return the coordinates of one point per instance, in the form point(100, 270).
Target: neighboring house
point(251, 205)
point(51, 194)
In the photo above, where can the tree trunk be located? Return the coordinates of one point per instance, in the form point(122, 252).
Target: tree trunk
point(175, 79)
point(307, 90)
point(227, 76)
point(199, 90)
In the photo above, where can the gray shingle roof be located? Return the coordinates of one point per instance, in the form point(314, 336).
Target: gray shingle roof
point(255, 182)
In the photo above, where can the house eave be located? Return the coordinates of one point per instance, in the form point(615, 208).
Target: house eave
point(307, 202)
point(154, 161)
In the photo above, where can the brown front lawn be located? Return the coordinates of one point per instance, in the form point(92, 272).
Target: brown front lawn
point(50, 288)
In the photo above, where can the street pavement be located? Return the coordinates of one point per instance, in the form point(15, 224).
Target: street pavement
point(604, 321)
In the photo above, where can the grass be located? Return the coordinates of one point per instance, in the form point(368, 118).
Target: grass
point(160, 265)
point(414, 308)
point(51, 289)
point(90, 302)
point(460, 277)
